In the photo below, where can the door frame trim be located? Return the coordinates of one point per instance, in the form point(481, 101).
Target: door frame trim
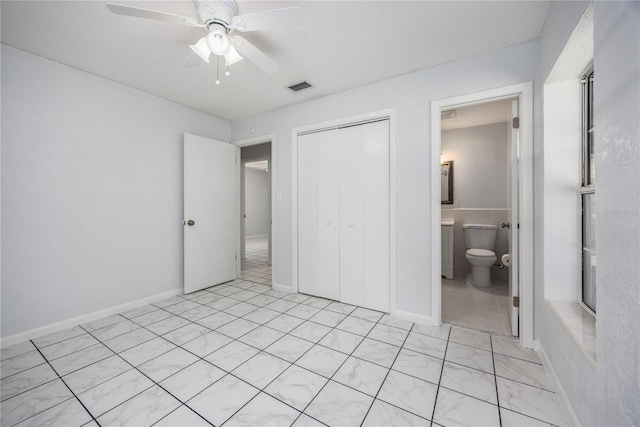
point(389, 113)
point(247, 142)
point(525, 93)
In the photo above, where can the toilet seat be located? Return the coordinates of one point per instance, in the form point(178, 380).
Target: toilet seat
point(481, 253)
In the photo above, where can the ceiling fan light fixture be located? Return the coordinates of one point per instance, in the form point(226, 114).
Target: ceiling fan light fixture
point(218, 40)
point(201, 49)
point(232, 57)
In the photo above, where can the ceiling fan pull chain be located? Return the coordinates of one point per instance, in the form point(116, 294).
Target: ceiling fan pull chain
point(217, 70)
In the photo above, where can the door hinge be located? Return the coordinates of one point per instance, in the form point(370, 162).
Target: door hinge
point(516, 301)
point(516, 122)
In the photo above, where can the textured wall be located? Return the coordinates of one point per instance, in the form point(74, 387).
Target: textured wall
point(608, 394)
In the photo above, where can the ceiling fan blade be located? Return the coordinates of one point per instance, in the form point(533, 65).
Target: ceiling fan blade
point(276, 19)
point(137, 12)
point(254, 54)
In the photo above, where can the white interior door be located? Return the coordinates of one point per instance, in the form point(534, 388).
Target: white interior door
point(211, 204)
point(514, 202)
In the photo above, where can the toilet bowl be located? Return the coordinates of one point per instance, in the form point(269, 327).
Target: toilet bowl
point(481, 261)
point(480, 242)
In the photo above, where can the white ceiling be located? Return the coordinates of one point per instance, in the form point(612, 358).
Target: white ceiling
point(345, 44)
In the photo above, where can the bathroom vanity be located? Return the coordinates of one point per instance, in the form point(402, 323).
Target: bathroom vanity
point(446, 234)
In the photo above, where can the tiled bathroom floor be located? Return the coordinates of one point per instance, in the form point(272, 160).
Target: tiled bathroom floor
point(485, 309)
point(255, 265)
point(242, 354)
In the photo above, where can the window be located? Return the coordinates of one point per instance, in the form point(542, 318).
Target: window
point(588, 195)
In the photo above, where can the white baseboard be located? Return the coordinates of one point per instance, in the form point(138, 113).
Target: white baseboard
point(85, 318)
point(282, 288)
point(412, 317)
point(572, 418)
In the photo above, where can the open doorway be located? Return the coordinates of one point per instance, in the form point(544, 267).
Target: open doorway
point(255, 207)
point(519, 225)
point(476, 144)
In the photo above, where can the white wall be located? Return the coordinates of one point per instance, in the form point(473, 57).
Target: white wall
point(256, 196)
point(91, 191)
point(562, 227)
point(410, 95)
point(609, 393)
point(480, 164)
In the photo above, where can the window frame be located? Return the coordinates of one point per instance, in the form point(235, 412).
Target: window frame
point(587, 171)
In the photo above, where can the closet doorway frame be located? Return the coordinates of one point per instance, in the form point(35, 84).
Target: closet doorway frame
point(346, 121)
point(524, 92)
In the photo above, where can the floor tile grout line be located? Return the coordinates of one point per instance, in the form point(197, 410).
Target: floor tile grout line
point(32, 388)
point(150, 379)
point(444, 358)
point(189, 408)
point(67, 386)
point(495, 380)
point(388, 371)
point(350, 355)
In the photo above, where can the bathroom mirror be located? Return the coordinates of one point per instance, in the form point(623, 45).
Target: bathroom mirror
point(446, 182)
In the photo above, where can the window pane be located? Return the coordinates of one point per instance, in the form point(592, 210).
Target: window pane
point(591, 166)
point(589, 250)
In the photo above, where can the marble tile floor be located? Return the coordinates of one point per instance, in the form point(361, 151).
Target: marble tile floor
point(242, 354)
point(483, 309)
point(255, 265)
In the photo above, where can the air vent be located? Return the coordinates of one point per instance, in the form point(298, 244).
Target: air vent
point(299, 86)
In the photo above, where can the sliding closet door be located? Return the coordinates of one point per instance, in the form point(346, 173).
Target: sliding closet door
point(376, 206)
point(328, 215)
point(343, 214)
point(351, 211)
point(318, 215)
point(308, 214)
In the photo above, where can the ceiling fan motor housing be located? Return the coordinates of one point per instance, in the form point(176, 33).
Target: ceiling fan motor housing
point(221, 11)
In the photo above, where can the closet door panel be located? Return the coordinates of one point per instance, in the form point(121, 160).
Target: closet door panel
point(328, 208)
point(308, 214)
point(376, 206)
point(351, 215)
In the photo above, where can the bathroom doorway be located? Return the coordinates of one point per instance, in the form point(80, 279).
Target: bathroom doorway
point(255, 208)
point(491, 185)
point(475, 146)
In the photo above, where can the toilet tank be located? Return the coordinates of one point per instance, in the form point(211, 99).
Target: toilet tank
point(480, 236)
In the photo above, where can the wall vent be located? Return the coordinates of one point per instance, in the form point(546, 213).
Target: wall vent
point(299, 86)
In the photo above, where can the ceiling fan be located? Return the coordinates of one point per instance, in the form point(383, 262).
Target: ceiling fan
point(221, 20)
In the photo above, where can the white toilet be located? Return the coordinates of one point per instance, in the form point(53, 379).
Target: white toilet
point(480, 241)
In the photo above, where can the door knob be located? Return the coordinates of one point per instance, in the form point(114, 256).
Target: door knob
point(328, 222)
point(191, 223)
point(350, 224)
